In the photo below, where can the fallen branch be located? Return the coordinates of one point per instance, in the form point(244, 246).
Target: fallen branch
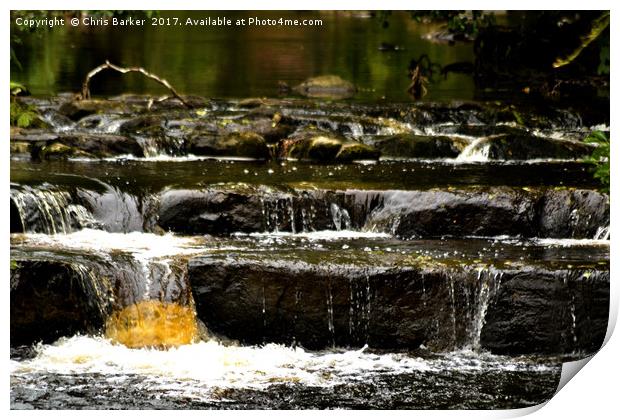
point(598, 26)
point(85, 94)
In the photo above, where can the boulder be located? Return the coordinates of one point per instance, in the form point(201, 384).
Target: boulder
point(236, 144)
point(572, 213)
point(328, 86)
point(524, 147)
point(56, 150)
point(214, 211)
point(322, 146)
point(542, 312)
point(50, 299)
point(78, 109)
point(417, 146)
point(87, 144)
point(434, 213)
point(19, 147)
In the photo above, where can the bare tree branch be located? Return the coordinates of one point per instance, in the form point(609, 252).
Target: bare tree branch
point(85, 94)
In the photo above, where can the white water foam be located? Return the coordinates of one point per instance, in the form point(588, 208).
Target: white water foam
point(319, 235)
point(250, 366)
point(144, 246)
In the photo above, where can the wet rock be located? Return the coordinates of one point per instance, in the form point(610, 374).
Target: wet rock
point(485, 212)
point(482, 130)
point(549, 313)
point(356, 151)
point(19, 148)
point(32, 135)
point(323, 146)
point(151, 124)
point(263, 121)
point(16, 223)
point(573, 213)
point(55, 151)
point(523, 147)
point(239, 144)
point(406, 214)
point(415, 146)
point(137, 300)
point(51, 299)
point(213, 211)
point(77, 110)
point(328, 86)
point(319, 305)
point(89, 144)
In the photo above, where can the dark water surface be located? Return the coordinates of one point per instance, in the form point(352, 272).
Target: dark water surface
point(143, 175)
point(241, 61)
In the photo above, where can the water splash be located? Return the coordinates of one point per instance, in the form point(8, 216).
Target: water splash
point(257, 367)
point(153, 324)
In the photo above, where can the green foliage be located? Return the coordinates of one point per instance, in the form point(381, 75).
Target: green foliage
point(600, 157)
point(459, 22)
point(23, 116)
point(17, 88)
point(14, 265)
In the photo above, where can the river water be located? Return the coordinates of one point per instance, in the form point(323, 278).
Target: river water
point(97, 222)
point(241, 62)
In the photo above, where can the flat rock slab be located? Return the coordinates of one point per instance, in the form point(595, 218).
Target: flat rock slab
point(322, 304)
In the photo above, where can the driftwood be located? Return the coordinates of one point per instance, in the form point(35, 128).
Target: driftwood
point(598, 26)
point(417, 88)
point(85, 94)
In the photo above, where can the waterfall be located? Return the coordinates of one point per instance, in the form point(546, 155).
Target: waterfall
point(359, 309)
point(118, 211)
point(137, 280)
point(476, 151)
point(44, 209)
point(487, 285)
point(356, 129)
point(602, 233)
point(330, 313)
point(340, 217)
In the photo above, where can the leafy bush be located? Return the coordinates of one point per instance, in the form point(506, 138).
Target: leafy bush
point(24, 116)
point(600, 157)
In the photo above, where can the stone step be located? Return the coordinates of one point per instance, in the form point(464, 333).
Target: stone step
point(224, 209)
point(316, 292)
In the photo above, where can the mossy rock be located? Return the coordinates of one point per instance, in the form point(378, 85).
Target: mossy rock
point(55, 151)
point(327, 86)
point(20, 147)
point(76, 110)
point(323, 146)
point(237, 144)
point(523, 147)
point(415, 146)
point(357, 151)
point(143, 124)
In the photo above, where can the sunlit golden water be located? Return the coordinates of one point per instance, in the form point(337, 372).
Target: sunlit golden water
point(153, 324)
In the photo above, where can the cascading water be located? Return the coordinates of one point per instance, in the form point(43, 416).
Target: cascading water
point(46, 209)
point(476, 151)
point(602, 233)
point(340, 217)
point(305, 261)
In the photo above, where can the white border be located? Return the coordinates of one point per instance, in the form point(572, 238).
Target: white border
point(592, 394)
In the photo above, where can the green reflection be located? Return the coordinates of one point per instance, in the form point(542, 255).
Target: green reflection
point(240, 61)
